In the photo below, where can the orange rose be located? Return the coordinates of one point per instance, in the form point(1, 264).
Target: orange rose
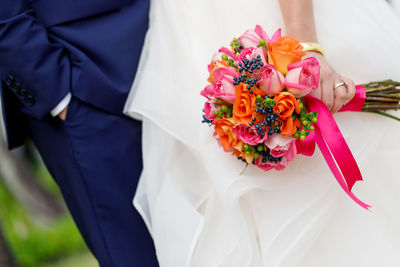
point(285, 51)
point(289, 126)
point(223, 127)
point(285, 105)
point(244, 105)
point(216, 65)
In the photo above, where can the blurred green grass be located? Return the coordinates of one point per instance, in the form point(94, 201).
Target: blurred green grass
point(34, 244)
point(76, 260)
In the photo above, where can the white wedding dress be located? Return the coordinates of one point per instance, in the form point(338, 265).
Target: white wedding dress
point(200, 211)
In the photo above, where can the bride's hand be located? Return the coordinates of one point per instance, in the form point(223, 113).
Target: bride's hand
point(333, 98)
point(299, 22)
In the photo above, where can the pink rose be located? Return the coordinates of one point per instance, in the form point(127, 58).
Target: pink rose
point(249, 39)
point(282, 146)
point(270, 80)
point(268, 165)
point(249, 134)
point(209, 109)
point(223, 88)
point(302, 77)
point(208, 91)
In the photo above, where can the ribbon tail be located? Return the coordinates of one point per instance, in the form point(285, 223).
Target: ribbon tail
point(335, 170)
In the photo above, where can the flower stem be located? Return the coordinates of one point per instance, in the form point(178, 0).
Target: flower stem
point(383, 114)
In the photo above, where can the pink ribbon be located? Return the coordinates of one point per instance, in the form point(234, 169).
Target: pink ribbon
point(332, 144)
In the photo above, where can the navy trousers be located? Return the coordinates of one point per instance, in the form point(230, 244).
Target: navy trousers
point(95, 157)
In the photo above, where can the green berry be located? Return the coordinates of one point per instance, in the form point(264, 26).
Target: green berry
point(260, 148)
point(224, 57)
point(256, 155)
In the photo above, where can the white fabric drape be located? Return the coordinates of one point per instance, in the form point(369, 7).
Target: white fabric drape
point(198, 208)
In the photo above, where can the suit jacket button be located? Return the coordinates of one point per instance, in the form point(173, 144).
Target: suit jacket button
point(10, 79)
point(16, 88)
point(30, 101)
point(23, 93)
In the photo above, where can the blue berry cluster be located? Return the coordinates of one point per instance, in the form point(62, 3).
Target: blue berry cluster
point(269, 124)
point(268, 157)
point(247, 80)
point(250, 65)
point(205, 120)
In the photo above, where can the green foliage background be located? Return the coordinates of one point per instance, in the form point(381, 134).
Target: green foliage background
point(34, 244)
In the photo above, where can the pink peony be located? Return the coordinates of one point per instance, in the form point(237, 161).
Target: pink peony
point(270, 80)
point(248, 134)
point(302, 77)
point(282, 146)
point(268, 165)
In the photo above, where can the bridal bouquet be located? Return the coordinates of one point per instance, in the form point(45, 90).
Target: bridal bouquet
point(254, 99)
point(259, 104)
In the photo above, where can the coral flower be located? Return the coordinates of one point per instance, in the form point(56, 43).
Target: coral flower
point(244, 105)
point(224, 130)
point(283, 52)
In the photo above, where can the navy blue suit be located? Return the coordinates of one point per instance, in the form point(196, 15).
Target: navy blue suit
point(89, 48)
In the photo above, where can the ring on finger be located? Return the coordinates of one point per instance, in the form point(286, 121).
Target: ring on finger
point(342, 83)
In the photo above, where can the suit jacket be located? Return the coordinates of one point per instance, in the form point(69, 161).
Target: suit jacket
point(90, 48)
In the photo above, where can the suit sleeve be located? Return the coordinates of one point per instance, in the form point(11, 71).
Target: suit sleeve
point(36, 69)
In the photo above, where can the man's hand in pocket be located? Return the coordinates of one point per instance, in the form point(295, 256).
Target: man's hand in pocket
point(63, 114)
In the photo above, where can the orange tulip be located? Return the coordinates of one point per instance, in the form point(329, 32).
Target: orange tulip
point(216, 65)
point(285, 51)
point(227, 137)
